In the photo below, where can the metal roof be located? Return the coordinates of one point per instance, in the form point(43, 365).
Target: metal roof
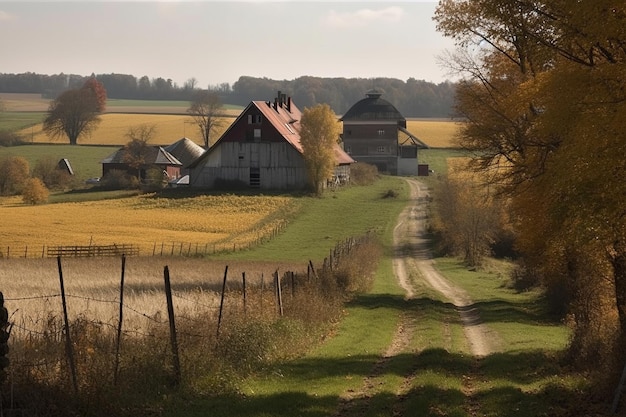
point(185, 150)
point(285, 117)
point(154, 155)
point(372, 107)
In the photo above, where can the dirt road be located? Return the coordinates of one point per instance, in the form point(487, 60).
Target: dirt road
point(412, 256)
point(412, 253)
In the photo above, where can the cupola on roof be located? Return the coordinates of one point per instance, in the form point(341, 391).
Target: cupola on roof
point(372, 107)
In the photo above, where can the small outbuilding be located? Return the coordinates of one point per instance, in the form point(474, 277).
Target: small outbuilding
point(155, 157)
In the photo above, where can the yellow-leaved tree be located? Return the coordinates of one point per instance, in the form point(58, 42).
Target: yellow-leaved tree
point(319, 133)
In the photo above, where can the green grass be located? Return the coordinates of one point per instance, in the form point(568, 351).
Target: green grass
point(523, 379)
point(85, 159)
point(184, 104)
point(323, 222)
point(14, 121)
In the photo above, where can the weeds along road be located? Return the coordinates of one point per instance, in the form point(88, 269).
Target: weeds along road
point(413, 261)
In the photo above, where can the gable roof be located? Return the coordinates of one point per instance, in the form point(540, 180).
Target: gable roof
point(285, 116)
point(155, 155)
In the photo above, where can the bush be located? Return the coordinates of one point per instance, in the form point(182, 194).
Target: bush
point(118, 180)
point(14, 170)
point(363, 174)
point(8, 138)
point(34, 191)
point(46, 169)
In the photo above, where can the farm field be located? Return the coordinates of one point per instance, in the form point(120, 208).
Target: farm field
point(162, 225)
point(170, 119)
point(114, 126)
point(171, 127)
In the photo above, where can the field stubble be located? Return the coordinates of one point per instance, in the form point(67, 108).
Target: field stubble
point(145, 221)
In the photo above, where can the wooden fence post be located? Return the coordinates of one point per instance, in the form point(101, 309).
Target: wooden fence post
point(219, 318)
point(279, 294)
point(170, 313)
point(243, 283)
point(118, 341)
point(68, 338)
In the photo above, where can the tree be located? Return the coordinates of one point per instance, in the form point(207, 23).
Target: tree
point(97, 88)
point(14, 170)
point(34, 191)
point(137, 148)
point(545, 100)
point(204, 110)
point(73, 114)
point(319, 133)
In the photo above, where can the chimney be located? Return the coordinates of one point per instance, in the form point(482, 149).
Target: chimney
point(289, 104)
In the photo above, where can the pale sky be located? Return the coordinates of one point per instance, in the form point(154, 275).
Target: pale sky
point(219, 41)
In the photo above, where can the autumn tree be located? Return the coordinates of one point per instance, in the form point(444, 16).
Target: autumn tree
point(75, 113)
point(14, 170)
point(136, 149)
point(319, 133)
point(544, 95)
point(98, 90)
point(205, 110)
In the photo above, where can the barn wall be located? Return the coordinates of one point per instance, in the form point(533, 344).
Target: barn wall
point(279, 165)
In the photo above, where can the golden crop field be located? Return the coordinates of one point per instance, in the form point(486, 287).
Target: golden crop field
point(436, 133)
point(114, 126)
point(145, 221)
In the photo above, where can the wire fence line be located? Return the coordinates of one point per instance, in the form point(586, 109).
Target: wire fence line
point(132, 249)
point(208, 314)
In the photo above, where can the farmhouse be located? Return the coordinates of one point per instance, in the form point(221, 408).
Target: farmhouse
point(155, 157)
point(261, 149)
point(375, 132)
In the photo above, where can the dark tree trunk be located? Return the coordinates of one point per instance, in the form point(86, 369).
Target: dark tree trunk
point(618, 262)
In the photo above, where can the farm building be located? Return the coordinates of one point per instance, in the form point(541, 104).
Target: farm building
point(155, 157)
point(186, 151)
point(374, 132)
point(261, 149)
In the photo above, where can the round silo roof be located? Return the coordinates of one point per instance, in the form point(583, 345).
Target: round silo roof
point(372, 107)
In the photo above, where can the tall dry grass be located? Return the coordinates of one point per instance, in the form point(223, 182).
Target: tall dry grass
point(252, 333)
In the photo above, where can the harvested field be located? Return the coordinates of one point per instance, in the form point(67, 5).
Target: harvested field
point(114, 126)
point(145, 221)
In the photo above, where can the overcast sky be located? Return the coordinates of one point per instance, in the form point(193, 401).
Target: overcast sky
point(219, 41)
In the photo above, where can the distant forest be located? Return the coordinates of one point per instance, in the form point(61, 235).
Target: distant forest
point(413, 98)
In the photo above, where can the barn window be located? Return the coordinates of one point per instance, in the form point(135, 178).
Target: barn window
point(257, 133)
point(348, 149)
point(381, 149)
point(381, 132)
point(254, 119)
point(249, 119)
point(257, 119)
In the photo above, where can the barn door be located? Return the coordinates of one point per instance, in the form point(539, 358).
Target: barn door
point(255, 172)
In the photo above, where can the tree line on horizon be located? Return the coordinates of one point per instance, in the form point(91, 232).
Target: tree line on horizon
point(413, 98)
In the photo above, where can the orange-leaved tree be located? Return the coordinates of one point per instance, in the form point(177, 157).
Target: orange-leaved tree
point(76, 112)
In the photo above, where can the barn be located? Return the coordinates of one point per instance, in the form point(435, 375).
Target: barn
point(155, 157)
point(374, 132)
point(261, 149)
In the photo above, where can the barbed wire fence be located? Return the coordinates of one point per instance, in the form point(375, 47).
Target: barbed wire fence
point(210, 314)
